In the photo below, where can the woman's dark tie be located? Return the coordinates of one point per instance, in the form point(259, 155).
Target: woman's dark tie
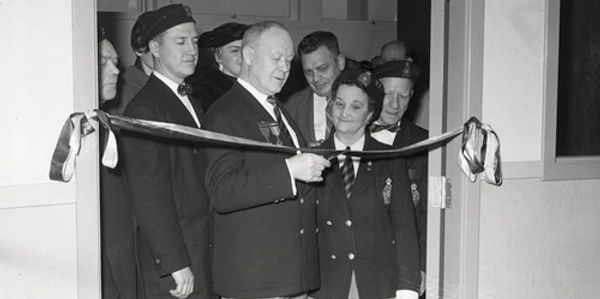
point(348, 174)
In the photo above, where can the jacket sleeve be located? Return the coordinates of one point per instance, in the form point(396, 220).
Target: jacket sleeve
point(405, 234)
point(148, 171)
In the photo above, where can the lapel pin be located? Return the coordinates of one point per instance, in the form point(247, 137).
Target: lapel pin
point(387, 191)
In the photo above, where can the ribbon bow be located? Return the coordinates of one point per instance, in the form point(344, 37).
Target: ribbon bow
point(480, 152)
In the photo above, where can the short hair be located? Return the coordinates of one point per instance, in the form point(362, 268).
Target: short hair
point(256, 30)
point(315, 40)
point(368, 83)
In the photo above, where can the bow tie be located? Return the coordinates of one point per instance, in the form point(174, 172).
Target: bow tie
point(184, 89)
point(394, 128)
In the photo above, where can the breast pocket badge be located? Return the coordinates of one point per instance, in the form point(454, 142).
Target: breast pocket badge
point(387, 191)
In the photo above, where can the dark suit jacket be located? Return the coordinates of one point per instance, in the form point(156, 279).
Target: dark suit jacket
point(119, 263)
point(300, 105)
point(132, 80)
point(417, 166)
point(169, 199)
point(373, 236)
point(263, 247)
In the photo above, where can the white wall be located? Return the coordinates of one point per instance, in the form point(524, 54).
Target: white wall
point(38, 218)
point(537, 238)
point(358, 39)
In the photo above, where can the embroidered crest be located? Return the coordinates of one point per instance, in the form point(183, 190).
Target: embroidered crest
point(387, 191)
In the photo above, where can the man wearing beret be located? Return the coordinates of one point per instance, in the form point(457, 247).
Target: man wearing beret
point(322, 62)
point(265, 243)
point(393, 129)
point(165, 175)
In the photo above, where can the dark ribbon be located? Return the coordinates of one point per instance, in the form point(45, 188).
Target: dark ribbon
point(78, 125)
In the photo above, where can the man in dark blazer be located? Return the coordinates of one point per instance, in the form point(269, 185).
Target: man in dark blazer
point(264, 226)
point(165, 175)
point(322, 62)
point(393, 129)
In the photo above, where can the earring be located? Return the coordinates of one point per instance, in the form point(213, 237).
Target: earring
point(221, 68)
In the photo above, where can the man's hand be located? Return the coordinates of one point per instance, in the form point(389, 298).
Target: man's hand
point(307, 167)
point(184, 279)
point(406, 294)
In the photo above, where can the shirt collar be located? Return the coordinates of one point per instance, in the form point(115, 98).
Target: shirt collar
point(170, 83)
point(255, 92)
point(357, 146)
point(318, 97)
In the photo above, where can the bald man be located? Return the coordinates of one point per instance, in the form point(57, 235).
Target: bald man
point(394, 50)
point(264, 222)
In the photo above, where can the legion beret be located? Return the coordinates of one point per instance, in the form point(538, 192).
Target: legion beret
point(141, 31)
point(398, 68)
point(366, 81)
point(222, 35)
point(167, 17)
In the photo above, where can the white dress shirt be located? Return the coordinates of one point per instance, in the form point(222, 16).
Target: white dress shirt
point(184, 100)
point(357, 146)
point(319, 116)
point(262, 99)
point(385, 137)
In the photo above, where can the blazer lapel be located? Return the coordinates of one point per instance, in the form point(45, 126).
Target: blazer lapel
point(333, 177)
point(197, 108)
point(366, 171)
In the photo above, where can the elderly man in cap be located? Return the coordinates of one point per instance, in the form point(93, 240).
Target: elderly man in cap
point(322, 62)
point(393, 129)
point(264, 226)
point(225, 43)
point(136, 75)
point(165, 175)
point(118, 238)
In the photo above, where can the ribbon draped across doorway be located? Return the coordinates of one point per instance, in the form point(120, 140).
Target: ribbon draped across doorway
point(479, 154)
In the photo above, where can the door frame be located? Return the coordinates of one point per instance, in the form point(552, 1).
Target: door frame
point(456, 90)
point(85, 92)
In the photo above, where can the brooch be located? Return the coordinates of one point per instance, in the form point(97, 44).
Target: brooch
point(387, 191)
point(416, 195)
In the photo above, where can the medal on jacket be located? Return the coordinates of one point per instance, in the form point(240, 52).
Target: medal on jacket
point(387, 191)
point(416, 196)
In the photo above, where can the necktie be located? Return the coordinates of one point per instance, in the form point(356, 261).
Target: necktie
point(348, 174)
point(284, 135)
point(183, 89)
point(375, 127)
point(328, 117)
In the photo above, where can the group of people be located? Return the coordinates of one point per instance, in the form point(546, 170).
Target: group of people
point(198, 220)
